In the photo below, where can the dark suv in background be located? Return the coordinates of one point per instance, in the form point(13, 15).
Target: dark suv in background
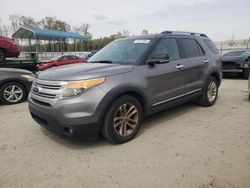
point(125, 81)
point(236, 63)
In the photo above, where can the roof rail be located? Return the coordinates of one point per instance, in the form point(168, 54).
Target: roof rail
point(183, 33)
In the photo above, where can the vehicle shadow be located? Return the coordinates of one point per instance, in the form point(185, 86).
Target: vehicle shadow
point(167, 115)
point(99, 141)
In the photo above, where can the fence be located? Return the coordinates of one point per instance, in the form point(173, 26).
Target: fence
point(49, 55)
point(232, 45)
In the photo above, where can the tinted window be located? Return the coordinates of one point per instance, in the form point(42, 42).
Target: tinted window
point(235, 53)
point(201, 51)
point(166, 46)
point(73, 57)
point(191, 48)
point(211, 46)
point(64, 58)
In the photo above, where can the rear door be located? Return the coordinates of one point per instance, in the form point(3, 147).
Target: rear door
point(195, 63)
point(166, 81)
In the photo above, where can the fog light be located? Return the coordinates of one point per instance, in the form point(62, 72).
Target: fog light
point(68, 131)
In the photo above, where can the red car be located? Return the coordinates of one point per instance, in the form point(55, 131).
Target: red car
point(8, 48)
point(59, 61)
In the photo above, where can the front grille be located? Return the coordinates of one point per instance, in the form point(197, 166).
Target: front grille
point(47, 89)
point(41, 103)
point(46, 93)
point(229, 65)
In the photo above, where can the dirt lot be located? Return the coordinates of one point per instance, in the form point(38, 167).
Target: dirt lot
point(188, 146)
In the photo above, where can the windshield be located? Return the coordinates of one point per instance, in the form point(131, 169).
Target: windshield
point(55, 58)
point(121, 51)
point(237, 53)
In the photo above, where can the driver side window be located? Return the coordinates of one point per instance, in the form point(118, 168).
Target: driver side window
point(166, 46)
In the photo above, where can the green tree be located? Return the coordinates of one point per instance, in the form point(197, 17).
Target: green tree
point(17, 21)
point(83, 29)
point(54, 24)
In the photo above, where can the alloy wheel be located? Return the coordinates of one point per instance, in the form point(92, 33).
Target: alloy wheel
point(212, 91)
point(126, 119)
point(13, 93)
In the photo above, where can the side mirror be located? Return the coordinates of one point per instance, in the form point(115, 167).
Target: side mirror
point(159, 59)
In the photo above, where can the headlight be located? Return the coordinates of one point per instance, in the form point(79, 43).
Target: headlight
point(246, 66)
point(76, 88)
point(29, 77)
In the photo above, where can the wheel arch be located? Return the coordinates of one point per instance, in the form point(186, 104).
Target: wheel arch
point(115, 93)
point(15, 80)
point(216, 75)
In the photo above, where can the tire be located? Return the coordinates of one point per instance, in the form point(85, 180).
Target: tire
point(210, 93)
point(128, 114)
point(245, 73)
point(2, 55)
point(16, 95)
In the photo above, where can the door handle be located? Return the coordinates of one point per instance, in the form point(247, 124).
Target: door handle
point(179, 66)
point(206, 60)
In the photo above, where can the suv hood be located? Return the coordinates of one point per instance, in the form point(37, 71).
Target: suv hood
point(83, 71)
point(12, 70)
point(231, 58)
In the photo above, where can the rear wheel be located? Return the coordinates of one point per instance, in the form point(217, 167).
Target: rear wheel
point(210, 93)
point(2, 55)
point(12, 93)
point(123, 120)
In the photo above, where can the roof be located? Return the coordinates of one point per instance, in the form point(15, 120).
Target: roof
point(45, 34)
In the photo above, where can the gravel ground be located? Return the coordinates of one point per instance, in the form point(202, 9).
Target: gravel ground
point(187, 146)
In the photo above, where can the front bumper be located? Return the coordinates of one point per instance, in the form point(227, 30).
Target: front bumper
point(80, 116)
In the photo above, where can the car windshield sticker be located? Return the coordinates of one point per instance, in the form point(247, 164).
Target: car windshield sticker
point(143, 41)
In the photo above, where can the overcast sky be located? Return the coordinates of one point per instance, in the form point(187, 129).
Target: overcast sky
point(219, 19)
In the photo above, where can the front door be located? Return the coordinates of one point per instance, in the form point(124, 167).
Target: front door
point(166, 81)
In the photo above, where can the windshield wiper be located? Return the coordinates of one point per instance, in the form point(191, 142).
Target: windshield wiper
point(101, 61)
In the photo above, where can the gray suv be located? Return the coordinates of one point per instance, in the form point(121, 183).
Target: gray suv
point(125, 81)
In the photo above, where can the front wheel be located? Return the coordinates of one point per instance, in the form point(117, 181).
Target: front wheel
point(123, 120)
point(12, 93)
point(210, 93)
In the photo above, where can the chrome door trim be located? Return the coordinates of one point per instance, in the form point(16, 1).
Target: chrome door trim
point(167, 100)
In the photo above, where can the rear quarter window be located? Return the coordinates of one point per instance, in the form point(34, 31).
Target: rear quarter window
point(211, 46)
point(190, 48)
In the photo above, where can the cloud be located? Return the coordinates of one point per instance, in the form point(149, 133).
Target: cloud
point(99, 17)
point(114, 23)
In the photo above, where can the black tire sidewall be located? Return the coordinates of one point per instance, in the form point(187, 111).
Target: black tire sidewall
point(108, 127)
point(2, 88)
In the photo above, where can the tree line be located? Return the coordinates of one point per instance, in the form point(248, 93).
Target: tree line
point(53, 23)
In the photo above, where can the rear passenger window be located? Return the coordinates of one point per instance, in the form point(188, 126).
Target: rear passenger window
point(211, 46)
point(190, 48)
point(166, 46)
